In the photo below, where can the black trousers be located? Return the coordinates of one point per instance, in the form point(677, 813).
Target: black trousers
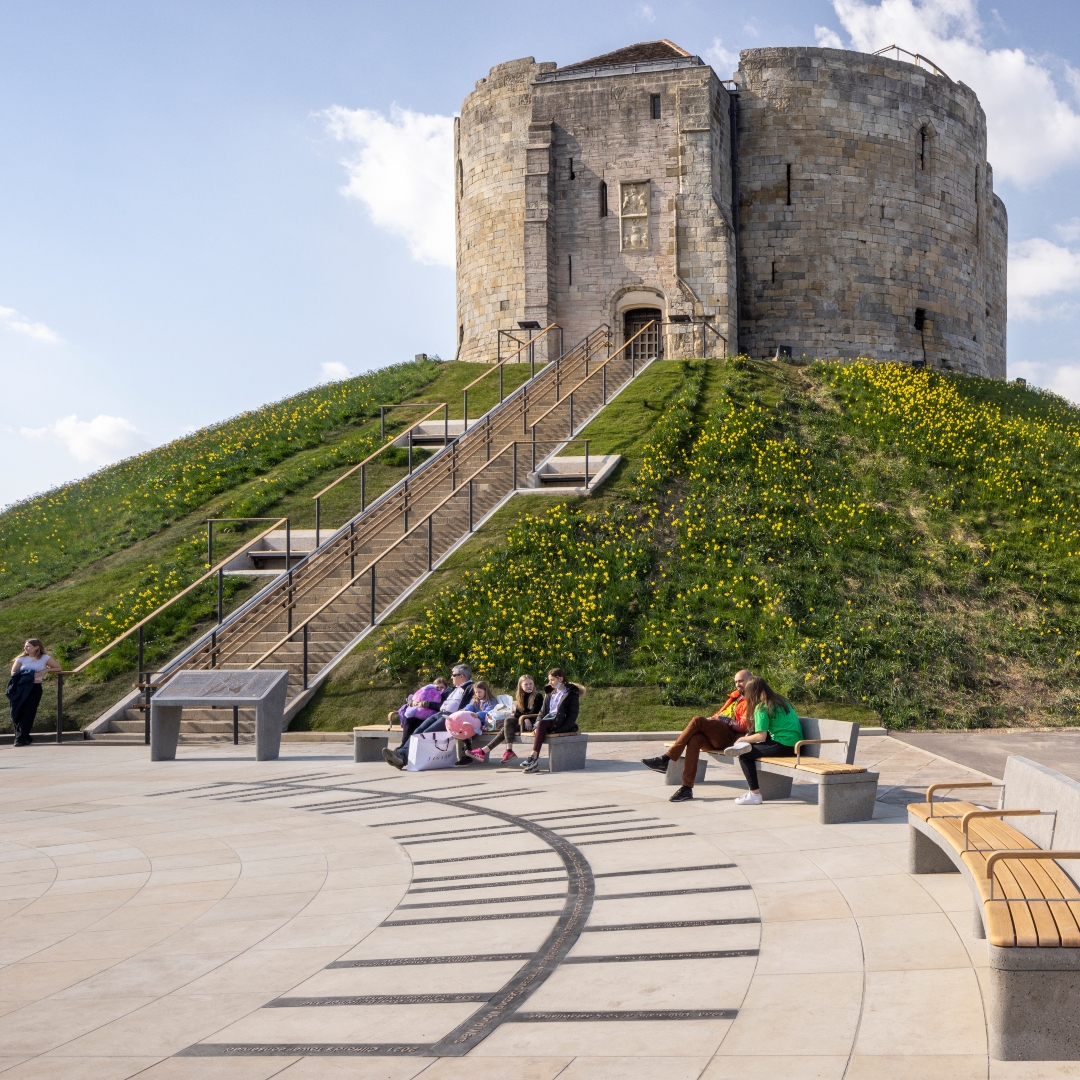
point(768, 748)
point(22, 716)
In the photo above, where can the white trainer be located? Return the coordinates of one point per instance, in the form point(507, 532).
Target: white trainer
point(751, 798)
point(737, 749)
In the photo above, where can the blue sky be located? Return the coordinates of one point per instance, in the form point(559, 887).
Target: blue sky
point(206, 206)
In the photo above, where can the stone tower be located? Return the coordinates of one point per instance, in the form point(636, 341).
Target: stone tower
point(827, 202)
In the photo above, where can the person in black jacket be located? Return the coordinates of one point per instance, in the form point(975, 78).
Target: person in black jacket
point(528, 703)
point(455, 699)
point(558, 716)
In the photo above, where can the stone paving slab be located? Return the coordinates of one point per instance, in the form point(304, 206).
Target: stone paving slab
point(311, 917)
point(988, 751)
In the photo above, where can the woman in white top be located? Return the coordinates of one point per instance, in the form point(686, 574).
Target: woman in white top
point(24, 693)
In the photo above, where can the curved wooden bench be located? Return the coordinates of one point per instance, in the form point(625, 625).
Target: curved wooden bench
point(1023, 901)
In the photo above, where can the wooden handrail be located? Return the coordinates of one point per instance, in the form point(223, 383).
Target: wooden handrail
point(168, 603)
point(951, 787)
point(809, 742)
point(382, 555)
point(495, 367)
point(371, 457)
point(599, 367)
point(965, 821)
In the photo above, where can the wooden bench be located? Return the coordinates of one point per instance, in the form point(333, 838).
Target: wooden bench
point(826, 757)
point(1024, 902)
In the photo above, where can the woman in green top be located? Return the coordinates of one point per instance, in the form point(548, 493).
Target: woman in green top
point(776, 731)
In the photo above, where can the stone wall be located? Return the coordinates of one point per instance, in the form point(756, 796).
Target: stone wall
point(489, 168)
point(863, 196)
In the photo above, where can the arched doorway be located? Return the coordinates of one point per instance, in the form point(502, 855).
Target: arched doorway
point(650, 344)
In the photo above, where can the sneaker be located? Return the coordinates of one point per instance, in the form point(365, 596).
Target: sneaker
point(530, 760)
point(466, 760)
point(532, 765)
point(392, 757)
point(479, 755)
point(684, 794)
point(751, 798)
point(508, 756)
point(657, 764)
point(737, 750)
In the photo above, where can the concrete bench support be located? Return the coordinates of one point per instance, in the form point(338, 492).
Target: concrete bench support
point(675, 768)
point(841, 796)
point(369, 742)
point(567, 752)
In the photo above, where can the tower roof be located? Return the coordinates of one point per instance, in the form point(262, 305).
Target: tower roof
point(642, 52)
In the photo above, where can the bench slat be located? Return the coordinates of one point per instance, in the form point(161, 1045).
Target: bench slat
point(813, 765)
point(941, 809)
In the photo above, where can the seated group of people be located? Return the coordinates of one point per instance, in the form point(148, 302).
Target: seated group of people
point(550, 710)
point(754, 722)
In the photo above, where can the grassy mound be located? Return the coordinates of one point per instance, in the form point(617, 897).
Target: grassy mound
point(870, 537)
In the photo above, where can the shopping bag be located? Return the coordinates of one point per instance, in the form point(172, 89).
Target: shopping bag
point(431, 750)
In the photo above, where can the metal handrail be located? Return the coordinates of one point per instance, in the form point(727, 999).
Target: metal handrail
point(306, 622)
point(345, 475)
point(915, 57)
point(603, 365)
point(140, 626)
point(499, 366)
point(265, 606)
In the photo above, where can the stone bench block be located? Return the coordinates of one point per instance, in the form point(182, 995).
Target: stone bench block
point(567, 752)
point(369, 743)
point(841, 796)
point(675, 768)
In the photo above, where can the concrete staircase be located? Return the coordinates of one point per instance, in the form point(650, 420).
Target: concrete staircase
point(310, 617)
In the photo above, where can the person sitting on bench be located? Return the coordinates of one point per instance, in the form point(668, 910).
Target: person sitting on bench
point(716, 732)
point(776, 731)
point(528, 701)
point(458, 698)
point(558, 715)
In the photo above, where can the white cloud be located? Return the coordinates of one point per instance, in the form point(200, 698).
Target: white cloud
point(725, 60)
point(402, 170)
point(1039, 269)
point(1032, 131)
point(1070, 230)
point(1063, 379)
point(10, 318)
point(646, 13)
point(96, 442)
point(332, 371)
point(827, 39)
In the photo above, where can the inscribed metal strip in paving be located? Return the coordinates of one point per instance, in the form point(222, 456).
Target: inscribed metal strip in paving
point(374, 999)
point(487, 885)
point(623, 1014)
point(677, 924)
point(666, 870)
point(673, 892)
point(491, 915)
point(627, 958)
point(308, 1050)
point(410, 961)
point(459, 839)
point(482, 900)
point(491, 873)
point(625, 839)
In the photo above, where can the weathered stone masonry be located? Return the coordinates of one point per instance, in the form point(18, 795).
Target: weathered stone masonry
point(852, 215)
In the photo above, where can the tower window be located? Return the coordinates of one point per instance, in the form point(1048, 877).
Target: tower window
point(774, 273)
point(789, 185)
point(654, 105)
point(924, 149)
point(603, 199)
point(920, 319)
point(572, 177)
point(569, 269)
point(460, 179)
point(461, 333)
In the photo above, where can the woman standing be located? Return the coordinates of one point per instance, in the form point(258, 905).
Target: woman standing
point(528, 701)
point(558, 715)
point(24, 689)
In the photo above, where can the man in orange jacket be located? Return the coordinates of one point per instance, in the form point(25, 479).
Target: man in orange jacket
point(716, 732)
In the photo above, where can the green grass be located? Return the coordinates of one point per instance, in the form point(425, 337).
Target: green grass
point(99, 558)
point(878, 542)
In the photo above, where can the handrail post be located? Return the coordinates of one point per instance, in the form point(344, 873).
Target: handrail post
point(372, 594)
point(288, 545)
point(487, 439)
point(352, 549)
point(465, 409)
point(306, 655)
point(603, 372)
point(220, 594)
point(382, 423)
point(430, 540)
point(213, 648)
point(532, 357)
point(571, 414)
point(500, 384)
point(410, 451)
point(209, 542)
point(236, 725)
point(445, 423)
point(470, 505)
point(515, 464)
point(453, 466)
point(586, 464)
point(317, 522)
point(140, 654)
point(534, 448)
point(289, 602)
point(60, 708)
point(405, 504)
point(361, 489)
point(147, 692)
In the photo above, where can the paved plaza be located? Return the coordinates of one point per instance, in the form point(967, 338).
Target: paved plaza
point(310, 917)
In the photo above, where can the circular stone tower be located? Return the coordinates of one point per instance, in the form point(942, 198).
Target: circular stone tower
point(868, 225)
